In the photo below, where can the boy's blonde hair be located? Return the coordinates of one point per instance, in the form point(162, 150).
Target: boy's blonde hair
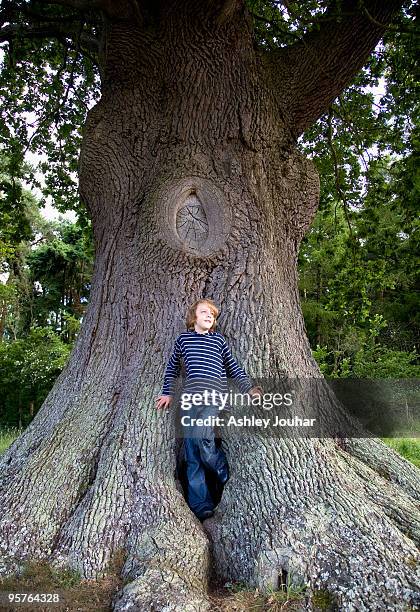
point(191, 316)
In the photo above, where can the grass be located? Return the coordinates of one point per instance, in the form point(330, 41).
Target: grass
point(237, 597)
point(75, 593)
point(37, 576)
point(409, 448)
point(7, 436)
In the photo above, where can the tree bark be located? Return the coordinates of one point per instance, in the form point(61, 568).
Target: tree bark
point(195, 189)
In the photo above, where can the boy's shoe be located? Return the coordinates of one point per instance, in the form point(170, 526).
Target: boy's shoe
point(223, 476)
point(207, 514)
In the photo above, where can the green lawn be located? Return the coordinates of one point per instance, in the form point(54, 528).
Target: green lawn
point(7, 435)
point(407, 447)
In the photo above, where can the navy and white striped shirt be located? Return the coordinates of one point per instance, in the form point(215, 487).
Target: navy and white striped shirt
point(208, 363)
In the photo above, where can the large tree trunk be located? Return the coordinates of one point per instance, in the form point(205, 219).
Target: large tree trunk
point(195, 189)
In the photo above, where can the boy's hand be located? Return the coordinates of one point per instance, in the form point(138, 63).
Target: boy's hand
point(256, 391)
point(163, 401)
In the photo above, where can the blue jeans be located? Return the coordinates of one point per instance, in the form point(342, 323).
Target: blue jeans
point(201, 454)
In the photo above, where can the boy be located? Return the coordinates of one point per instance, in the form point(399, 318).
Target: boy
point(207, 360)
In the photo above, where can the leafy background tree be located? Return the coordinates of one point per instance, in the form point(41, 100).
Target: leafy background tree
point(47, 267)
point(358, 263)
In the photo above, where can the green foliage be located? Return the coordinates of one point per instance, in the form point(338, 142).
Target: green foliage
point(279, 24)
point(358, 264)
point(361, 358)
point(48, 272)
point(324, 600)
point(53, 79)
point(407, 447)
point(241, 597)
point(382, 362)
point(15, 202)
point(359, 284)
point(29, 368)
point(7, 436)
point(47, 268)
point(38, 576)
point(59, 271)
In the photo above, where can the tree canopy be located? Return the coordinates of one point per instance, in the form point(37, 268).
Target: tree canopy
point(51, 72)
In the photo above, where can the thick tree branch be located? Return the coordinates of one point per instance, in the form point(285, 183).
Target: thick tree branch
point(312, 72)
point(227, 8)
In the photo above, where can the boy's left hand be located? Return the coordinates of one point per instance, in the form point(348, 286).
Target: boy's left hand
point(256, 391)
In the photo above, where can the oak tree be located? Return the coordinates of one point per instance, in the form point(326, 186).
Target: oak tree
point(191, 176)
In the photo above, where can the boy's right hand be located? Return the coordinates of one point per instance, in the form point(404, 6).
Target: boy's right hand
point(163, 401)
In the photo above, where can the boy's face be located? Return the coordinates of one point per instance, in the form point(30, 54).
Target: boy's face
point(204, 317)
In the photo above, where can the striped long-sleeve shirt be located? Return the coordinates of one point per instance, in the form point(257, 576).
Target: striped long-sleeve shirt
point(208, 364)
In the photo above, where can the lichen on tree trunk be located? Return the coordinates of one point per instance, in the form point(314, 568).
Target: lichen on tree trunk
point(191, 177)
